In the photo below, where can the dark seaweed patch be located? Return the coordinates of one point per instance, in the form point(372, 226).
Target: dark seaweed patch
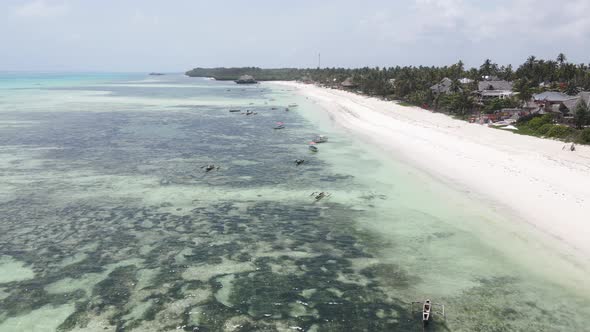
point(116, 289)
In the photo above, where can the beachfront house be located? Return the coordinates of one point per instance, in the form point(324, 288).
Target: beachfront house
point(572, 103)
point(487, 90)
point(349, 83)
point(559, 104)
point(444, 87)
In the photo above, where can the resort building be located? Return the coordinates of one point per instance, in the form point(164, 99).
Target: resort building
point(494, 89)
point(349, 83)
point(444, 87)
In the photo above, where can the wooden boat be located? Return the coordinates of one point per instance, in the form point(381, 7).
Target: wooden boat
point(280, 125)
point(426, 308)
point(427, 311)
point(293, 105)
point(234, 111)
point(320, 139)
point(318, 196)
point(313, 148)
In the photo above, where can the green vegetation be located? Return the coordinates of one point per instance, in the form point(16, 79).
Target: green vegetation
point(231, 74)
point(545, 126)
point(581, 115)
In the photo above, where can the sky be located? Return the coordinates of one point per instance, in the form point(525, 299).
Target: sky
point(176, 35)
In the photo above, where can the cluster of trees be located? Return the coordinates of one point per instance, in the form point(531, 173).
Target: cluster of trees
point(546, 126)
point(260, 74)
point(581, 115)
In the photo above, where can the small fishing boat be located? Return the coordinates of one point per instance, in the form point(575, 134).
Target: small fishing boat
point(312, 147)
point(280, 125)
point(318, 196)
point(293, 105)
point(320, 139)
point(209, 168)
point(232, 111)
point(426, 308)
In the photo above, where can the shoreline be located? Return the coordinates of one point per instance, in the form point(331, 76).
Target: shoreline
point(528, 177)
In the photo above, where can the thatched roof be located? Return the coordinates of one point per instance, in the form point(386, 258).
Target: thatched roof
point(348, 83)
point(443, 87)
point(495, 85)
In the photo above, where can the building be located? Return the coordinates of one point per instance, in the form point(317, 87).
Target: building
point(444, 87)
point(553, 97)
point(349, 83)
point(561, 105)
point(572, 103)
point(555, 102)
point(494, 89)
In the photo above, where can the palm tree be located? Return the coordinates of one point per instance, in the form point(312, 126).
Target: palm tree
point(455, 86)
point(523, 88)
point(561, 59)
point(486, 68)
point(530, 62)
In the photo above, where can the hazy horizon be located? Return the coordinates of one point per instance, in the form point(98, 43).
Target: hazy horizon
point(139, 36)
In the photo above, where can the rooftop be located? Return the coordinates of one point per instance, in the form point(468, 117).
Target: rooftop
point(494, 85)
point(552, 96)
point(443, 87)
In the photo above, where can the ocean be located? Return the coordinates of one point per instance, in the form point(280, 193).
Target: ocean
point(110, 222)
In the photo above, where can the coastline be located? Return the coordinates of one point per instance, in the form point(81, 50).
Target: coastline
point(531, 178)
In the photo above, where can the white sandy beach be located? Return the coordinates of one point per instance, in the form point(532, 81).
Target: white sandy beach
point(532, 178)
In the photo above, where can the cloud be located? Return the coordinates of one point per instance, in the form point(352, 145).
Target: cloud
point(471, 21)
point(42, 9)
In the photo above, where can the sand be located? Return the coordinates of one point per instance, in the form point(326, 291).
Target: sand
point(534, 180)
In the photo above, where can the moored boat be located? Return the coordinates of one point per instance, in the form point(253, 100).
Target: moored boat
point(320, 139)
point(313, 148)
point(246, 79)
point(293, 105)
point(426, 308)
point(280, 125)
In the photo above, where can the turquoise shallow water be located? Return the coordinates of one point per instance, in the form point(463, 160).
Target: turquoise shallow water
point(110, 223)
